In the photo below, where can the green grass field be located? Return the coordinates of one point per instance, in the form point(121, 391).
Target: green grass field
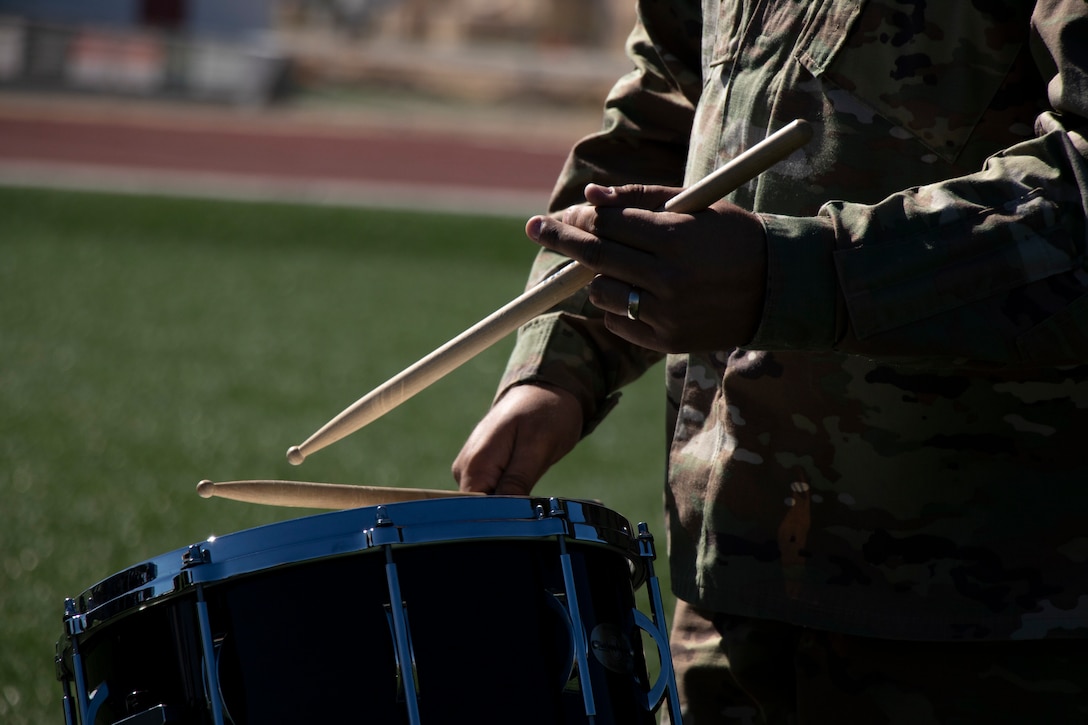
point(149, 343)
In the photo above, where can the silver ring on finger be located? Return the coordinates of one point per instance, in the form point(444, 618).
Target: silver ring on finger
point(634, 298)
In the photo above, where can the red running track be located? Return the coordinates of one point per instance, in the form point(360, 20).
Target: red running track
point(385, 156)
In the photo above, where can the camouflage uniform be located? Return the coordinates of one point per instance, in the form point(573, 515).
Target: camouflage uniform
point(897, 454)
point(743, 671)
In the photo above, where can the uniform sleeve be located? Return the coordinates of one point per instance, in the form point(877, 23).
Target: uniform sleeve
point(989, 268)
point(643, 139)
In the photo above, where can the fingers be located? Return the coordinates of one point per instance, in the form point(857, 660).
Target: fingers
point(490, 462)
point(569, 240)
point(614, 213)
point(480, 465)
point(527, 431)
point(637, 228)
point(615, 297)
point(622, 213)
point(614, 258)
point(636, 196)
point(514, 476)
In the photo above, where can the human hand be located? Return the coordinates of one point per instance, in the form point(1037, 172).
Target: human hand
point(525, 432)
point(701, 277)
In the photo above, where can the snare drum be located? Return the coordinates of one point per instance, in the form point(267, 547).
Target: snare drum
point(484, 610)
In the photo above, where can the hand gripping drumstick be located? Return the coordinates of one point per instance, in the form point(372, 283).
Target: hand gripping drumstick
point(540, 298)
point(316, 495)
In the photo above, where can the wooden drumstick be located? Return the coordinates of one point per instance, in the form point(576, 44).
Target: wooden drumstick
point(316, 495)
point(540, 298)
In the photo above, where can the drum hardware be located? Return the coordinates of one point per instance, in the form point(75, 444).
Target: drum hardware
point(564, 602)
point(211, 665)
point(217, 644)
point(66, 693)
point(577, 632)
point(611, 648)
point(64, 674)
point(402, 637)
point(656, 627)
point(568, 600)
point(382, 518)
point(658, 630)
point(557, 602)
point(87, 703)
point(195, 555)
point(384, 533)
point(74, 622)
point(88, 707)
point(403, 652)
point(401, 690)
point(198, 555)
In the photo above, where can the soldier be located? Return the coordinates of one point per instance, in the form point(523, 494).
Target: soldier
point(876, 352)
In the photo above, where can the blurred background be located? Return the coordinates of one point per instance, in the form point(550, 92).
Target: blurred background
point(258, 51)
point(222, 223)
point(155, 88)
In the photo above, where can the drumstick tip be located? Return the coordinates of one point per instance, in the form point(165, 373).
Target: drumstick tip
point(205, 489)
point(295, 455)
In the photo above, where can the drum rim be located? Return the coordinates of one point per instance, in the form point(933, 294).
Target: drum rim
point(354, 531)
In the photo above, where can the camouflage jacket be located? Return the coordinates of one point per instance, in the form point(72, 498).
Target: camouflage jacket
point(898, 451)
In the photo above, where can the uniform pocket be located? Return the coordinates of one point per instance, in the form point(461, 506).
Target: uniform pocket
point(930, 69)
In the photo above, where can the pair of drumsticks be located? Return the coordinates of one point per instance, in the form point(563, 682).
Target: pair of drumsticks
point(475, 340)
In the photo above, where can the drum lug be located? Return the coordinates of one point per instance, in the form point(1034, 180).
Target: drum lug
point(195, 555)
point(555, 510)
point(74, 622)
point(384, 532)
point(646, 542)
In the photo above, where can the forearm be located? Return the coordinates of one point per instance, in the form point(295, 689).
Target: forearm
point(643, 139)
point(986, 268)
